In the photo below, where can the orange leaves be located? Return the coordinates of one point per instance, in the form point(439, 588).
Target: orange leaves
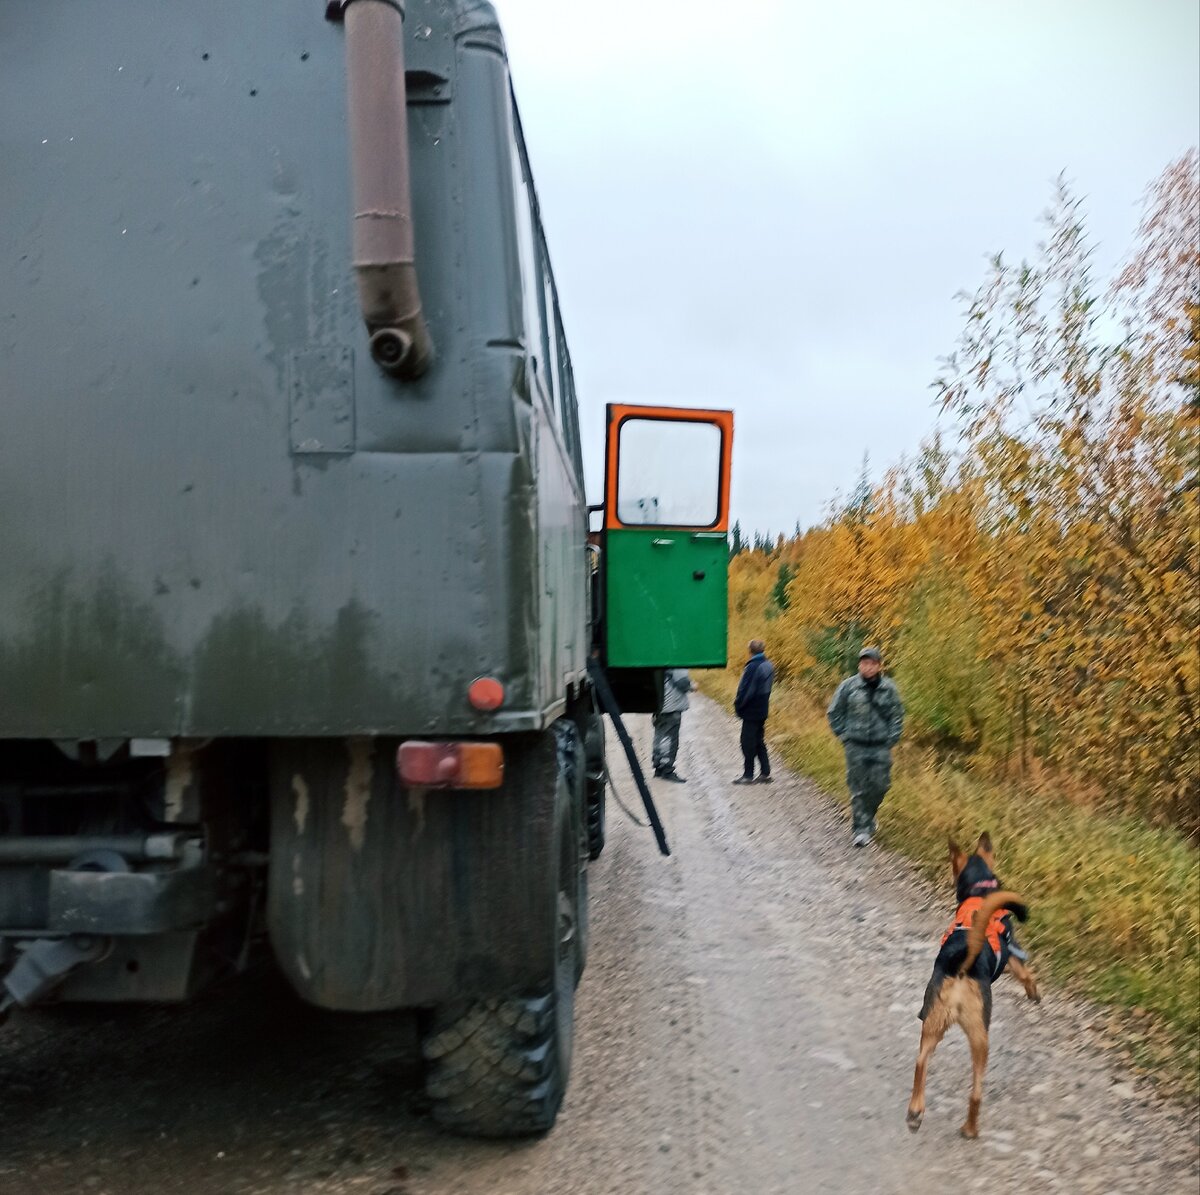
point(1038, 593)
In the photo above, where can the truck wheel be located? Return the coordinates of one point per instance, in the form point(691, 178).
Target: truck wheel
point(596, 823)
point(498, 1066)
point(572, 757)
point(595, 781)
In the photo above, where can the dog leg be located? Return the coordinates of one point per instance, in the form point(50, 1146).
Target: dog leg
point(932, 1031)
point(1025, 977)
point(977, 1037)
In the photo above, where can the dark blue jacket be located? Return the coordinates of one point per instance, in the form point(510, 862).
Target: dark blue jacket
point(754, 689)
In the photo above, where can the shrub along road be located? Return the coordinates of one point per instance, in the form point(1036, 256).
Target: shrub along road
point(747, 1024)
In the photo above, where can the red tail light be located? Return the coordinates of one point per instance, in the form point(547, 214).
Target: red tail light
point(450, 765)
point(486, 693)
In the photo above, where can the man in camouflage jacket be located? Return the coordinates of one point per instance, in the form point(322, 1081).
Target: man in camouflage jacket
point(867, 715)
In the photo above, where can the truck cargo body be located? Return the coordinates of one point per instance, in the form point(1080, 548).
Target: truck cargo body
point(218, 516)
point(246, 566)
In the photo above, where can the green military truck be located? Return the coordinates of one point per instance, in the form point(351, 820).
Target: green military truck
point(299, 611)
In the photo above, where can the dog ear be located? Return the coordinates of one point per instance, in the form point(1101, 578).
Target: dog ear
point(985, 850)
point(958, 858)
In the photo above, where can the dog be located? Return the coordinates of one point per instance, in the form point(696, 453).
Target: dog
point(975, 950)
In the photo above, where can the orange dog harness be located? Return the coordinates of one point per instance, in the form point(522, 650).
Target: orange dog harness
point(996, 928)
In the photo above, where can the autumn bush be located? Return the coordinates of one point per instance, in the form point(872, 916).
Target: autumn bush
point(1033, 577)
point(1033, 574)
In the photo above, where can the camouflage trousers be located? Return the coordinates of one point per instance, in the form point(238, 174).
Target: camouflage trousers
point(868, 777)
point(666, 741)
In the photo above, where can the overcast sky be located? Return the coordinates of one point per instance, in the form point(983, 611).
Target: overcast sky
point(771, 205)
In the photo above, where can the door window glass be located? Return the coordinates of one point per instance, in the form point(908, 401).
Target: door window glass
point(668, 473)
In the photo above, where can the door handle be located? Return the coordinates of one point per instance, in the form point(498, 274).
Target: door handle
point(708, 535)
point(663, 543)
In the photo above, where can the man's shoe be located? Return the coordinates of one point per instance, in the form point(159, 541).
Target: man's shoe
point(744, 780)
point(765, 780)
point(862, 838)
point(674, 777)
point(658, 773)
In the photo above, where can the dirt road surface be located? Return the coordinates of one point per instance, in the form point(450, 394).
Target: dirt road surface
point(747, 1026)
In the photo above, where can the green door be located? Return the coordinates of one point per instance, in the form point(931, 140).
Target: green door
point(666, 550)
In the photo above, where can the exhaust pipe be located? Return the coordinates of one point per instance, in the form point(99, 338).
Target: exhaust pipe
point(383, 226)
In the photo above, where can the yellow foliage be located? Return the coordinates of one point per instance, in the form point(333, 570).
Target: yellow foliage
point(1038, 594)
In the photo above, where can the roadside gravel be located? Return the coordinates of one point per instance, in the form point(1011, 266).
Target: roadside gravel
point(747, 1026)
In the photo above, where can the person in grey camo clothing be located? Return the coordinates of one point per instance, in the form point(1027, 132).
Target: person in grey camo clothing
point(867, 716)
point(676, 687)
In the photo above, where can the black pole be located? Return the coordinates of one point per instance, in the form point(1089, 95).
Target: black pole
point(608, 703)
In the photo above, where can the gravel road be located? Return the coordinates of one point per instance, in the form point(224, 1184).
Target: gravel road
point(747, 1026)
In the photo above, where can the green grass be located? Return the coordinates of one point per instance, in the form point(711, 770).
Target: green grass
point(1115, 903)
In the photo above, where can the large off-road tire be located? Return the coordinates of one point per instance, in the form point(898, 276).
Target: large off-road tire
point(498, 1065)
point(572, 755)
point(596, 822)
point(595, 784)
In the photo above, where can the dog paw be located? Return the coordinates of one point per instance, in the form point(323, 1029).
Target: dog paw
point(969, 1131)
point(913, 1120)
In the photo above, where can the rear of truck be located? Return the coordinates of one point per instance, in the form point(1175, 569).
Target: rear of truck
point(247, 555)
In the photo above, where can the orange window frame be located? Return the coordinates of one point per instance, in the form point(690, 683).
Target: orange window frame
point(619, 413)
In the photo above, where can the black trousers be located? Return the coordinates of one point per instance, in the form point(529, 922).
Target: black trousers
point(754, 746)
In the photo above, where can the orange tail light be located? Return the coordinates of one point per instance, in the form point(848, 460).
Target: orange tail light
point(450, 765)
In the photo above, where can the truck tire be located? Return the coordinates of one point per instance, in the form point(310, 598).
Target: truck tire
point(572, 755)
point(596, 780)
point(498, 1066)
point(596, 814)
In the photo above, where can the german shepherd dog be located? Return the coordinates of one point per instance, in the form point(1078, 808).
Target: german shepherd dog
point(975, 950)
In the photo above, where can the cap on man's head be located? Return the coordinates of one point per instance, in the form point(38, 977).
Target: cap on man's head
point(871, 653)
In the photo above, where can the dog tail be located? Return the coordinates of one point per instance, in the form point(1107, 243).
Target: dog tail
point(977, 935)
